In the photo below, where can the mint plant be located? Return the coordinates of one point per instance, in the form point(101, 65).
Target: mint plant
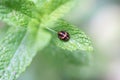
point(33, 25)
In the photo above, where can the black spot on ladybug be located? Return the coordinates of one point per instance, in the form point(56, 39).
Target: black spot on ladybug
point(63, 35)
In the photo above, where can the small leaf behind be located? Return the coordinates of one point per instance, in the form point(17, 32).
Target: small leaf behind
point(59, 12)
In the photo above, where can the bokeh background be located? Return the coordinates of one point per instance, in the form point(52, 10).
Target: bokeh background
point(100, 19)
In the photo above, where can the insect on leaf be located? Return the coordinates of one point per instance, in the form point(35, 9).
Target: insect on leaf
point(78, 39)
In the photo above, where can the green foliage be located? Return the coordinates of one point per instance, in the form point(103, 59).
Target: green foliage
point(64, 57)
point(27, 34)
point(78, 39)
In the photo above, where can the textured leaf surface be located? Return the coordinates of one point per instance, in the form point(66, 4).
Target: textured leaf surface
point(9, 45)
point(78, 39)
point(23, 55)
point(24, 38)
point(15, 45)
point(3, 29)
point(15, 14)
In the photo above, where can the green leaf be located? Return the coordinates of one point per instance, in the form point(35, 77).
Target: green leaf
point(46, 7)
point(9, 44)
point(18, 49)
point(13, 18)
point(16, 12)
point(25, 37)
point(50, 19)
point(3, 29)
point(51, 10)
point(78, 39)
point(23, 6)
point(19, 12)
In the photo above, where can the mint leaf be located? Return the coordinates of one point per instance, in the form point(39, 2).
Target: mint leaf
point(46, 7)
point(18, 12)
point(78, 39)
point(23, 55)
point(12, 17)
point(50, 19)
point(25, 7)
point(27, 20)
point(18, 49)
point(8, 47)
point(3, 29)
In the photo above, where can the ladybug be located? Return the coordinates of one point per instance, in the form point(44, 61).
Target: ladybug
point(63, 35)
